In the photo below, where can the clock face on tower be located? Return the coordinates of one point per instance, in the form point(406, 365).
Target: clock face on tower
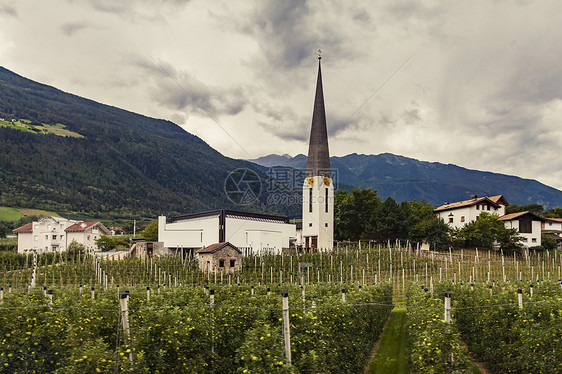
point(310, 181)
point(326, 181)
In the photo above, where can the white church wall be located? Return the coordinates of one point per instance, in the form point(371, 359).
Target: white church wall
point(259, 235)
point(193, 233)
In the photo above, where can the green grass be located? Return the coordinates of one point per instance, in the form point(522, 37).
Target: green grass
point(392, 355)
point(9, 214)
point(25, 125)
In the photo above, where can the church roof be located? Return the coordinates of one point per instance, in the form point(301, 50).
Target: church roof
point(318, 153)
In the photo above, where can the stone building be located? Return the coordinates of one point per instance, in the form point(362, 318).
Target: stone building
point(220, 257)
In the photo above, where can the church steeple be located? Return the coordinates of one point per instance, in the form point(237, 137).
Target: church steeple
point(318, 188)
point(318, 153)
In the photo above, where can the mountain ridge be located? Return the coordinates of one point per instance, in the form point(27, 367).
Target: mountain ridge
point(404, 178)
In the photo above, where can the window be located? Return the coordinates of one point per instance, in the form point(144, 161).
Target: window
point(36, 237)
point(477, 207)
point(54, 237)
point(525, 226)
point(524, 239)
point(232, 263)
point(46, 237)
point(534, 240)
point(326, 200)
point(88, 238)
point(310, 224)
point(201, 237)
point(310, 200)
point(462, 218)
point(450, 219)
point(326, 224)
point(488, 208)
point(477, 218)
point(221, 263)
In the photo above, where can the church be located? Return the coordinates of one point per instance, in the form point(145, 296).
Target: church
point(259, 233)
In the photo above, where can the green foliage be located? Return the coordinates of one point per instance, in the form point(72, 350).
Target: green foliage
point(533, 208)
point(8, 244)
point(150, 233)
point(434, 344)
point(555, 212)
point(361, 215)
point(106, 243)
point(9, 214)
point(548, 242)
point(509, 339)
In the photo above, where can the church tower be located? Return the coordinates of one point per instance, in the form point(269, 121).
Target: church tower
point(318, 188)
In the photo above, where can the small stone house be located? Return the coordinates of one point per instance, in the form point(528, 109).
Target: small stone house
point(220, 257)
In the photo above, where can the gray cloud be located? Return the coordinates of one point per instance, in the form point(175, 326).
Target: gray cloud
point(153, 10)
point(179, 90)
point(8, 10)
point(71, 29)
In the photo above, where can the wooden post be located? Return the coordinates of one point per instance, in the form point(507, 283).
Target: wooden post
point(1, 294)
point(531, 290)
point(268, 292)
point(520, 298)
point(448, 307)
point(286, 327)
point(343, 295)
point(123, 302)
point(50, 294)
point(93, 293)
point(147, 294)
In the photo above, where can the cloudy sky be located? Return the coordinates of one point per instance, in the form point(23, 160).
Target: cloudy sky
point(475, 83)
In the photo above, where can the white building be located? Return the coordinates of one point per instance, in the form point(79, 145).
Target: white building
point(458, 214)
point(552, 225)
point(87, 233)
point(250, 232)
point(51, 234)
point(527, 224)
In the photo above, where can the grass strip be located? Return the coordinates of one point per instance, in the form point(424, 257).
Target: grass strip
point(392, 354)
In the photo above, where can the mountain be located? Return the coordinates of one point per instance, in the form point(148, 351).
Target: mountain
point(405, 179)
point(69, 154)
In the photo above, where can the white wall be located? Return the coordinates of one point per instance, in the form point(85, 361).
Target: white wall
point(259, 235)
point(552, 226)
point(318, 222)
point(193, 233)
point(469, 214)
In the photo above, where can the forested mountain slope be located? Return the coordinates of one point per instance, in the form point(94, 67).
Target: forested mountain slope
point(120, 164)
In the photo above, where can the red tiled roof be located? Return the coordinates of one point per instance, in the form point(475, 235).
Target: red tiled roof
point(25, 228)
point(83, 226)
point(215, 247)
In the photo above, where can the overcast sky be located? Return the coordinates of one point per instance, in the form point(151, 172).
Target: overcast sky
point(474, 83)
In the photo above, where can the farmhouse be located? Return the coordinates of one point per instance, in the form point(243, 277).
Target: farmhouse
point(250, 232)
point(527, 224)
point(220, 257)
point(458, 214)
point(52, 234)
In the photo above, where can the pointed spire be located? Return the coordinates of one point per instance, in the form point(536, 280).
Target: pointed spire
point(318, 153)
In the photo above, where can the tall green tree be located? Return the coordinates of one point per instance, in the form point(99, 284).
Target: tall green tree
point(353, 213)
point(150, 233)
point(486, 231)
